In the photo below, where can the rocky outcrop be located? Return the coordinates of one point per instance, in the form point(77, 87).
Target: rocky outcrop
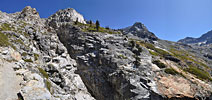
point(29, 13)
point(107, 64)
point(114, 68)
point(68, 15)
point(40, 59)
point(34, 88)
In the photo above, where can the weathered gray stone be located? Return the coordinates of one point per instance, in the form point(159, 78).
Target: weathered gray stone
point(106, 66)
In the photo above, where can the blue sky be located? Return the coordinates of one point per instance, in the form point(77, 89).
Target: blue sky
point(168, 19)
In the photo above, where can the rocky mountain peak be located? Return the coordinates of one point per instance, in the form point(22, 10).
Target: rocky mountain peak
point(67, 15)
point(29, 13)
point(139, 26)
point(140, 30)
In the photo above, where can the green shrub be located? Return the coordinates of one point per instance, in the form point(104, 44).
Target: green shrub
point(48, 85)
point(149, 45)
point(22, 24)
point(24, 54)
point(93, 28)
point(122, 57)
point(153, 53)
point(137, 61)
point(171, 71)
point(185, 56)
point(43, 72)
point(139, 48)
point(161, 52)
point(159, 64)
point(4, 41)
point(36, 56)
point(6, 27)
point(25, 34)
point(132, 43)
point(90, 29)
point(156, 52)
point(19, 41)
point(28, 60)
point(199, 73)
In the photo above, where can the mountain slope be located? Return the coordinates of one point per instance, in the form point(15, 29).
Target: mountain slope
point(116, 66)
point(39, 58)
point(58, 59)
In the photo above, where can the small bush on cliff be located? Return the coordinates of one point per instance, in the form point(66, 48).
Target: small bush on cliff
point(28, 60)
point(171, 71)
point(93, 28)
point(18, 41)
point(122, 56)
point(24, 54)
point(132, 43)
point(6, 27)
point(4, 41)
point(139, 48)
point(159, 64)
point(36, 56)
point(137, 61)
point(48, 85)
point(43, 72)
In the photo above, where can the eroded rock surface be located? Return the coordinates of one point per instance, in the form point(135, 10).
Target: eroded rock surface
point(39, 59)
point(56, 59)
point(9, 81)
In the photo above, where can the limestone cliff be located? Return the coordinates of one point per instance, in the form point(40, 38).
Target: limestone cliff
point(57, 59)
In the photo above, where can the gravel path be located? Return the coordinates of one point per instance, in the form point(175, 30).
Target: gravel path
point(9, 82)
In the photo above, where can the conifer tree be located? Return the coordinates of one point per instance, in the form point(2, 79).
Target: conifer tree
point(97, 25)
point(90, 22)
point(76, 22)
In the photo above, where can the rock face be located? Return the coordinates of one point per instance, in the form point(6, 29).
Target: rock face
point(54, 59)
point(66, 15)
point(34, 88)
point(204, 39)
point(104, 63)
point(29, 13)
point(9, 81)
point(39, 58)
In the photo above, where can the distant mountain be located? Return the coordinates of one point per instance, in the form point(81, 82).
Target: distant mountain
point(138, 29)
point(204, 39)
